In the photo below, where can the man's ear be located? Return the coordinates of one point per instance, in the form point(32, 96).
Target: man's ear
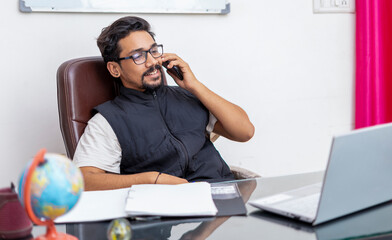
point(114, 69)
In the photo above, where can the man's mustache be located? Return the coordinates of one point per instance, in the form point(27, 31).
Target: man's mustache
point(152, 69)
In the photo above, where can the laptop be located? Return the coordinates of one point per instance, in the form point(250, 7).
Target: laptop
point(358, 176)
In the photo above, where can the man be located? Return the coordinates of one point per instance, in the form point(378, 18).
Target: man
point(154, 133)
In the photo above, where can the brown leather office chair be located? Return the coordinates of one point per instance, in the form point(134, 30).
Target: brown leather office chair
point(82, 84)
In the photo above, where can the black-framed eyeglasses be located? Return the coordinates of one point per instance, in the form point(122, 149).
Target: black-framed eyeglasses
point(140, 57)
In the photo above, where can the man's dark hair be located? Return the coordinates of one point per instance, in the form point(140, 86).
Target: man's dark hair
point(110, 36)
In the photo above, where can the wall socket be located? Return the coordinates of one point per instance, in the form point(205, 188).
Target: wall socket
point(334, 6)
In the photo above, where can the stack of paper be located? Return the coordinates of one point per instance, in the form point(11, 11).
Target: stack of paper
point(97, 206)
point(190, 199)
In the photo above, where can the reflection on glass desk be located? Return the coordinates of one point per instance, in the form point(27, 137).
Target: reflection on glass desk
point(375, 222)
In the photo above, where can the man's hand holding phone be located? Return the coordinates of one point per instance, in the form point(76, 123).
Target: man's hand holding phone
point(174, 70)
point(179, 70)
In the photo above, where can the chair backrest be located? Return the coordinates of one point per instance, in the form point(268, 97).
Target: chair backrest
point(82, 84)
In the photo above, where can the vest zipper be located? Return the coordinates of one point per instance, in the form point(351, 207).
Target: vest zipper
point(154, 94)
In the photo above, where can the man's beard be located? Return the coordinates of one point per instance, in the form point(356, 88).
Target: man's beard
point(157, 82)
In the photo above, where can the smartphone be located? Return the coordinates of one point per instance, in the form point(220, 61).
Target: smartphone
point(175, 70)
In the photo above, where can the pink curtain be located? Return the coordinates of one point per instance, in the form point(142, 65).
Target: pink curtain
point(373, 90)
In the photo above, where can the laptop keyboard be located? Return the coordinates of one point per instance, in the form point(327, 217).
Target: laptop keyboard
point(305, 206)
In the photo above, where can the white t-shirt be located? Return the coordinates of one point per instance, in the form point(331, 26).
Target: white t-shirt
point(99, 146)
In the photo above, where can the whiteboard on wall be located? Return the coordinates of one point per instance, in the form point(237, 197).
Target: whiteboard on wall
point(127, 6)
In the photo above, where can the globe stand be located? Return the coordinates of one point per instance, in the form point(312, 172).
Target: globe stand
point(51, 233)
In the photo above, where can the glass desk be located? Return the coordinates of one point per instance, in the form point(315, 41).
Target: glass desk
point(375, 223)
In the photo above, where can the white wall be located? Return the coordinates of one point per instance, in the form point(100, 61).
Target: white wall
point(290, 69)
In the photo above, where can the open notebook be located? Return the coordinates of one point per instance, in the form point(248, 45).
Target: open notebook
point(193, 199)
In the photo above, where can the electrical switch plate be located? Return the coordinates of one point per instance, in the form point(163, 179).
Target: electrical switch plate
point(333, 6)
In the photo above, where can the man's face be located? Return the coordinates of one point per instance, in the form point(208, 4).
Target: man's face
point(146, 75)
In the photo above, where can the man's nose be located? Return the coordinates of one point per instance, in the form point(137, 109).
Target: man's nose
point(150, 61)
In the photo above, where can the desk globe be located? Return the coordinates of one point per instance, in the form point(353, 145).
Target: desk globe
point(49, 187)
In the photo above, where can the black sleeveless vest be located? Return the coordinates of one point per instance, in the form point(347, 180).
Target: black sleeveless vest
point(164, 131)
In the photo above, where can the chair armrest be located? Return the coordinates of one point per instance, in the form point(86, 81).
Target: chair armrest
point(242, 173)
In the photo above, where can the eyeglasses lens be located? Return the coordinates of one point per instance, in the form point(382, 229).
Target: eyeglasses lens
point(141, 57)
